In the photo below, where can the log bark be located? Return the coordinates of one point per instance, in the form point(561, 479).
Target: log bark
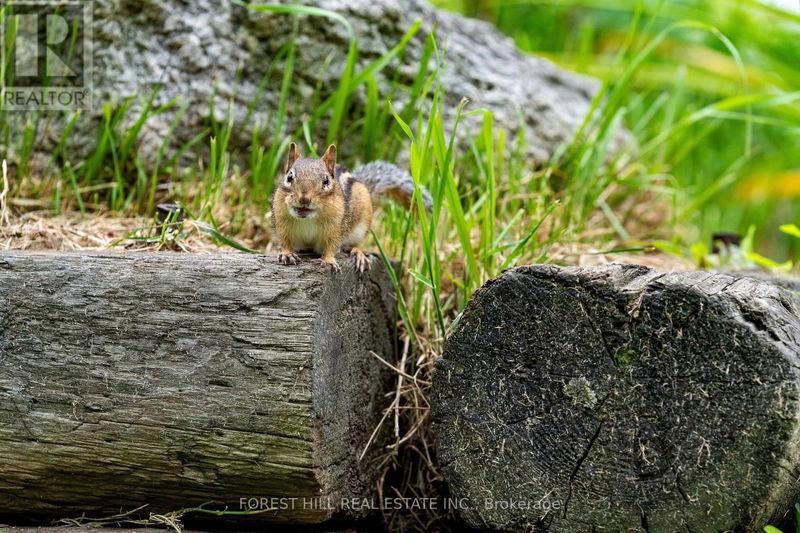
point(621, 399)
point(173, 379)
point(790, 283)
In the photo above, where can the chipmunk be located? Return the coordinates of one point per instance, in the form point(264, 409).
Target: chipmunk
point(319, 205)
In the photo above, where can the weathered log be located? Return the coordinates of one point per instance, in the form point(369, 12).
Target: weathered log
point(619, 398)
point(790, 283)
point(173, 379)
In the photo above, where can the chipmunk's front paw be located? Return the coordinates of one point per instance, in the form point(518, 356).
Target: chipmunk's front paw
point(334, 266)
point(361, 260)
point(288, 259)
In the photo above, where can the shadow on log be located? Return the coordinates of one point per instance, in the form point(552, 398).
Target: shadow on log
point(621, 399)
point(173, 379)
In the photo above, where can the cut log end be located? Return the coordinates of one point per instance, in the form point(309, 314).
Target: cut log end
point(619, 398)
point(173, 379)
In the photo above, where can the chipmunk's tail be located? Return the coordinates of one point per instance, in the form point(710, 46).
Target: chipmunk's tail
point(382, 178)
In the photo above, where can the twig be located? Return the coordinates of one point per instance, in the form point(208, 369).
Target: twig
point(171, 519)
point(412, 378)
point(4, 219)
point(375, 431)
point(399, 389)
point(410, 433)
point(84, 520)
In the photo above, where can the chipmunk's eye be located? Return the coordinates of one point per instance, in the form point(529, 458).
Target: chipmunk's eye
point(290, 177)
point(326, 182)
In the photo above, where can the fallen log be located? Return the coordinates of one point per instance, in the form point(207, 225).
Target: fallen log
point(619, 398)
point(174, 379)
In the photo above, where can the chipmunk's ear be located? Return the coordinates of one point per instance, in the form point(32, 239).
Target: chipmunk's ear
point(329, 158)
point(294, 155)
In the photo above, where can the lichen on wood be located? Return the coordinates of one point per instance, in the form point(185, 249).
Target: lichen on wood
point(619, 398)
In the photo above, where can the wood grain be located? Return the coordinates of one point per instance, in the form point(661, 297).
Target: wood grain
point(172, 379)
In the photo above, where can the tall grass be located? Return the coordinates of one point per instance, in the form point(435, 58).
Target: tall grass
point(709, 90)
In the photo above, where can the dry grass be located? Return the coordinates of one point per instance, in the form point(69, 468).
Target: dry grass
point(38, 231)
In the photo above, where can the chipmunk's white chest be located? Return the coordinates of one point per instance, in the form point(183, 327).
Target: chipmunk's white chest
point(306, 234)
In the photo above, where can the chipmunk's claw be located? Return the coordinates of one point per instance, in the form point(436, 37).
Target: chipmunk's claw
point(288, 259)
point(361, 260)
point(334, 266)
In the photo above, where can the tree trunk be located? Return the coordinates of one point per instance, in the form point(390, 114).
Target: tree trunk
point(173, 379)
point(618, 399)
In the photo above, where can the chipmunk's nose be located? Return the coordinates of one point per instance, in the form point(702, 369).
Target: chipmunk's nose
point(304, 200)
